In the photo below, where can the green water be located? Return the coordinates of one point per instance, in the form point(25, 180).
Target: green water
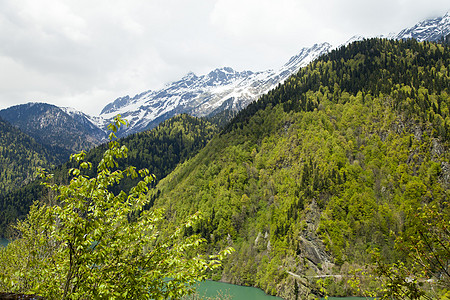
point(236, 292)
point(213, 289)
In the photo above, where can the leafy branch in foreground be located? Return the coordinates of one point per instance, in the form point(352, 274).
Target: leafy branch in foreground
point(95, 244)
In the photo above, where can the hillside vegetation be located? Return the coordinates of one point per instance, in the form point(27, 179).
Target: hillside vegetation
point(20, 156)
point(95, 244)
point(159, 150)
point(326, 166)
point(60, 133)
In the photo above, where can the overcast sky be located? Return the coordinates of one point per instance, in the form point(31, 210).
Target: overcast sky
point(85, 54)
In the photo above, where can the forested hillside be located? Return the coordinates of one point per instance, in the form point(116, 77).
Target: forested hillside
point(60, 133)
point(334, 162)
point(159, 150)
point(20, 156)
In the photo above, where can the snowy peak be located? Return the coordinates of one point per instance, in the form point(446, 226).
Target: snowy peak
point(90, 123)
point(432, 30)
point(205, 95)
point(307, 55)
point(116, 104)
point(220, 76)
point(189, 78)
point(225, 88)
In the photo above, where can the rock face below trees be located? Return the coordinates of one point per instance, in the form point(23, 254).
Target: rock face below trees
point(311, 244)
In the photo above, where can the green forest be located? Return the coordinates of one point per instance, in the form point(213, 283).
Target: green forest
point(60, 133)
point(159, 150)
point(93, 243)
point(335, 183)
point(333, 163)
point(20, 156)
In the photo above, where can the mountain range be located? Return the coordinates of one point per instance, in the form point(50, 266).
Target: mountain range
point(204, 95)
point(198, 95)
point(334, 162)
point(225, 88)
point(433, 30)
point(339, 161)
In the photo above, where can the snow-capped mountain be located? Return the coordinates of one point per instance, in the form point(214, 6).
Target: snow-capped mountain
point(223, 88)
point(432, 30)
point(92, 124)
point(204, 95)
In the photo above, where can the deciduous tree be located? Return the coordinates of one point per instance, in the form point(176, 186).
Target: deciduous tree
point(94, 244)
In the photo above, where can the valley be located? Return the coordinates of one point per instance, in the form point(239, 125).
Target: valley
point(328, 177)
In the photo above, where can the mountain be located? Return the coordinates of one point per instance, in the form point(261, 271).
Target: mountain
point(205, 95)
point(226, 89)
point(90, 123)
point(223, 89)
point(336, 161)
point(432, 30)
point(61, 131)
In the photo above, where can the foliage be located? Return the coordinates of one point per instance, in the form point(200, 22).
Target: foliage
point(222, 118)
point(94, 244)
point(158, 150)
point(324, 167)
point(427, 242)
point(426, 245)
point(20, 157)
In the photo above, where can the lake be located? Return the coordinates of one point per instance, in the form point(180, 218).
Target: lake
point(236, 292)
point(212, 289)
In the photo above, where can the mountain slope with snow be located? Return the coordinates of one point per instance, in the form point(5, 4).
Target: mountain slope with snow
point(223, 89)
point(227, 89)
point(433, 30)
point(204, 95)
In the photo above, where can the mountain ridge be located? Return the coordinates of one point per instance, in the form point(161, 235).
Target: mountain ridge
point(205, 95)
point(334, 162)
point(159, 150)
point(224, 88)
point(62, 131)
point(431, 30)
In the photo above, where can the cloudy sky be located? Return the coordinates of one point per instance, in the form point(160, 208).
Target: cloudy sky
point(85, 54)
